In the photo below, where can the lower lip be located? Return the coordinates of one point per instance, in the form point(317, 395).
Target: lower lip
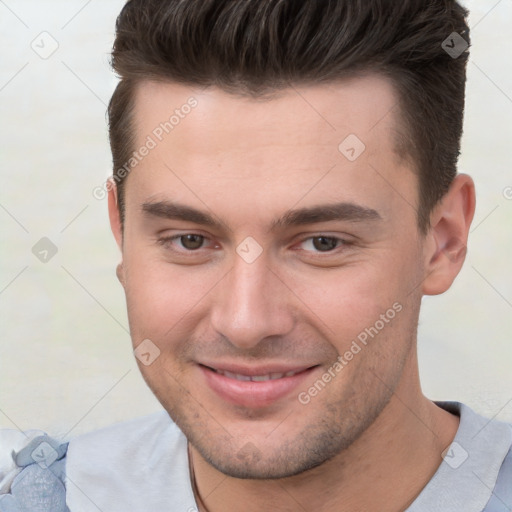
point(253, 393)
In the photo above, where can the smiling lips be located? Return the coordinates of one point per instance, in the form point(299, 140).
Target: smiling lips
point(254, 387)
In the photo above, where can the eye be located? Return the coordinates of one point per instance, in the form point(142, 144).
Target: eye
point(187, 242)
point(322, 243)
point(191, 241)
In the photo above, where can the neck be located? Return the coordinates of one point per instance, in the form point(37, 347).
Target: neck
point(384, 469)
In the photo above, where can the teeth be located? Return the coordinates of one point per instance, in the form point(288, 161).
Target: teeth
point(256, 378)
point(260, 378)
point(235, 376)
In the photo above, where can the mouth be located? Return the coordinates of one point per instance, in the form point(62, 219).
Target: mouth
point(256, 378)
point(254, 387)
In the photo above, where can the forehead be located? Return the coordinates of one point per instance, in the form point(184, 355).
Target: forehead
point(320, 114)
point(207, 142)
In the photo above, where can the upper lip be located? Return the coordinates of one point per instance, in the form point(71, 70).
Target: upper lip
point(262, 369)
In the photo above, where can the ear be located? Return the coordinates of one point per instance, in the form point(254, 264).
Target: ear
point(114, 214)
point(445, 247)
point(115, 224)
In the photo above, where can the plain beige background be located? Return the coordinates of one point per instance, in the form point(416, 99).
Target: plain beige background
point(66, 364)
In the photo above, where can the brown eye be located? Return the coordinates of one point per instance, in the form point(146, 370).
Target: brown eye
point(324, 243)
point(192, 241)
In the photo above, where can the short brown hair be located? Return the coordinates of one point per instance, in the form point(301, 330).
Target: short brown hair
point(252, 47)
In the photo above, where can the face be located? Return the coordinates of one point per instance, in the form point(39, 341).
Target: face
point(274, 263)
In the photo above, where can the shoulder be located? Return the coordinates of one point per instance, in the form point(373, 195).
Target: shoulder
point(31, 472)
point(141, 464)
point(475, 472)
point(141, 460)
point(501, 498)
point(126, 440)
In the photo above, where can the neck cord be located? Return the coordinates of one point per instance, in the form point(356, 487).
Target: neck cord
point(197, 496)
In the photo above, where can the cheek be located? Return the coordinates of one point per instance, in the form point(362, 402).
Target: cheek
point(359, 301)
point(161, 296)
point(348, 297)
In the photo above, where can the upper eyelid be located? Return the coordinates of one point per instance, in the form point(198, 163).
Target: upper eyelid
point(343, 240)
point(176, 237)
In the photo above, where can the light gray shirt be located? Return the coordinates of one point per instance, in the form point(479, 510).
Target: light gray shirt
point(142, 465)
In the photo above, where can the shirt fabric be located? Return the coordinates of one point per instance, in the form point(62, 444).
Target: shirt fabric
point(142, 465)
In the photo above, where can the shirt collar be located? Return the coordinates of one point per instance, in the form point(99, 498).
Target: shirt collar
point(467, 476)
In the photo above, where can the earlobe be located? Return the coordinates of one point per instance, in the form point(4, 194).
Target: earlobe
point(447, 238)
point(120, 273)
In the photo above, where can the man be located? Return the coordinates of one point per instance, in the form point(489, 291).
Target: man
point(284, 194)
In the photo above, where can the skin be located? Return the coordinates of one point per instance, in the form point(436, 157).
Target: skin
point(369, 440)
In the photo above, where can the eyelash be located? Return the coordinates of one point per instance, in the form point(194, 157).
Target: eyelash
point(167, 241)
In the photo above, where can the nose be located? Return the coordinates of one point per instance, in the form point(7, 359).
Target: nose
point(250, 304)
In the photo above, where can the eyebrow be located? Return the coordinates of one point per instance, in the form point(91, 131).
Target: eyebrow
point(344, 211)
point(176, 211)
point(349, 212)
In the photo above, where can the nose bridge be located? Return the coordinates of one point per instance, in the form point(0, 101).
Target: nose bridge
point(251, 304)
